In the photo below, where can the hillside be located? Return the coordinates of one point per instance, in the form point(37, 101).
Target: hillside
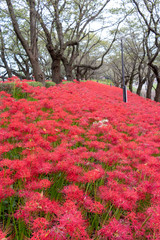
point(78, 163)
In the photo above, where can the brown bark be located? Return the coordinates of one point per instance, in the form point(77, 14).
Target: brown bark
point(54, 54)
point(149, 84)
point(75, 35)
point(33, 28)
point(156, 72)
point(151, 20)
point(68, 69)
point(39, 76)
point(78, 75)
point(56, 70)
point(131, 85)
point(56, 64)
point(157, 96)
point(3, 57)
point(139, 89)
point(131, 78)
point(149, 89)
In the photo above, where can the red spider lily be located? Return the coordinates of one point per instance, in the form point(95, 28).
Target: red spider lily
point(40, 223)
point(32, 185)
point(115, 230)
point(73, 154)
point(3, 235)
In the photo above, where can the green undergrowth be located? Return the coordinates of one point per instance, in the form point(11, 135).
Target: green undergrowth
point(17, 228)
point(16, 92)
point(15, 153)
point(145, 203)
point(96, 221)
point(49, 84)
point(104, 81)
point(59, 181)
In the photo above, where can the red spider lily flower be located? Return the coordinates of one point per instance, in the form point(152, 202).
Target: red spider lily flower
point(71, 222)
point(3, 235)
point(73, 192)
point(36, 203)
point(87, 133)
point(6, 192)
point(115, 230)
point(93, 175)
point(33, 185)
point(40, 223)
point(92, 206)
point(121, 195)
point(153, 220)
point(41, 235)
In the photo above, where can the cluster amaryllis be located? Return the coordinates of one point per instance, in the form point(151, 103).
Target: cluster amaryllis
point(78, 163)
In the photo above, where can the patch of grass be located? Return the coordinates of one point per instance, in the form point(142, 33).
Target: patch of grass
point(49, 84)
point(77, 145)
point(15, 153)
point(64, 82)
point(17, 92)
point(7, 87)
point(98, 220)
point(104, 81)
point(17, 228)
point(59, 181)
point(35, 84)
point(144, 203)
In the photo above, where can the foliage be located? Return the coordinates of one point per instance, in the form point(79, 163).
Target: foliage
point(11, 88)
point(49, 84)
point(78, 163)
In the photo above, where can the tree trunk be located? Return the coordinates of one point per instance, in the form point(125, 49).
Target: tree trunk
point(139, 89)
point(56, 59)
point(131, 78)
point(69, 74)
point(157, 96)
point(27, 75)
point(149, 87)
point(56, 70)
point(39, 76)
point(84, 74)
point(37, 72)
point(68, 70)
point(78, 74)
point(141, 82)
point(33, 28)
point(155, 69)
point(131, 85)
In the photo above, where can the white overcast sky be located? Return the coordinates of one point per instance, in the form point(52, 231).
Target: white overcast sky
point(110, 20)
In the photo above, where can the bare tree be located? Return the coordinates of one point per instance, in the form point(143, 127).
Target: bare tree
point(3, 57)
point(149, 13)
point(30, 48)
point(66, 30)
point(135, 65)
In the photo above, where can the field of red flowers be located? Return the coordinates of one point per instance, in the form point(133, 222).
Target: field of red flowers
point(78, 163)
